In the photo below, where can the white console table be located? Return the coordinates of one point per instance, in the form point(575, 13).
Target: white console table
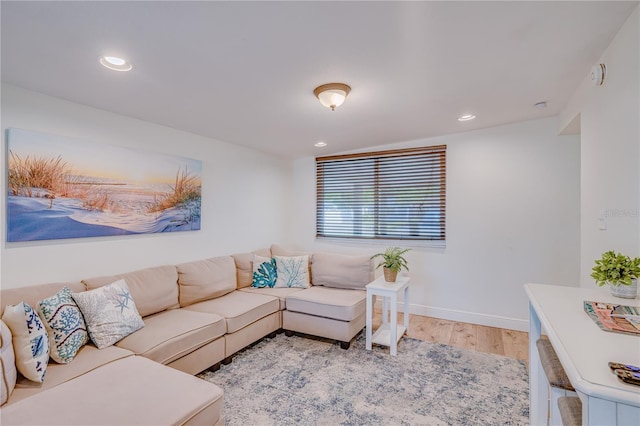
point(584, 351)
point(389, 332)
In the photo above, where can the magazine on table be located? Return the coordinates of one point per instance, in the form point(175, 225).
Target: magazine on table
point(614, 317)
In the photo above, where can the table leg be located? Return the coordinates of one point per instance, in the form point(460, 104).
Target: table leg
point(537, 404)
point(369, 319)
point(406, 310)
point(385, 310)
point(393, 325)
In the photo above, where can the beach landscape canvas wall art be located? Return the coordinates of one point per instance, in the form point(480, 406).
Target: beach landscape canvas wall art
point(64, 188)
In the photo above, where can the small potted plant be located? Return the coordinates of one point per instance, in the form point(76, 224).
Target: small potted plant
point(620, 272)
point(392, 263)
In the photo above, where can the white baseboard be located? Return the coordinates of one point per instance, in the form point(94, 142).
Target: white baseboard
point(470, 317)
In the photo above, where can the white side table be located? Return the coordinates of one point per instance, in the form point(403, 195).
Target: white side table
point(389, 333)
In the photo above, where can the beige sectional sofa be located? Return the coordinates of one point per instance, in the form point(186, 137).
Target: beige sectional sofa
point(196, 316)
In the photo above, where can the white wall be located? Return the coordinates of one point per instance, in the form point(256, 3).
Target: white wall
point(512, 217)
point(245, 196)
point(610, 151)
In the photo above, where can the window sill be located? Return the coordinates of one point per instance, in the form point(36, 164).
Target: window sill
point(387, 243)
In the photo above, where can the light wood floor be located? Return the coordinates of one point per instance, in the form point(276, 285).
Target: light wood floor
point(510, 343)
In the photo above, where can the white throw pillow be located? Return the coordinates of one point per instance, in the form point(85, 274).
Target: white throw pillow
point(110, 313)
point(30, 340)
point(8, 365)
point(292, 271)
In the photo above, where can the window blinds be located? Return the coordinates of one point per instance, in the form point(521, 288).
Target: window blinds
point(399, 195)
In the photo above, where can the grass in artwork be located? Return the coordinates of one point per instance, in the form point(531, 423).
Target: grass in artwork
point(186, 189)
point(53, 178)
point(27, 173)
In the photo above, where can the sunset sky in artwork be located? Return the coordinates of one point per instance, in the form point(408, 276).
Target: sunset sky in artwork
point(102, 160)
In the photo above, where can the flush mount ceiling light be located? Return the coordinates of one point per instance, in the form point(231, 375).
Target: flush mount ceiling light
point(115, 63)
point(598, 74)
point(466, 117)
point(332, 95)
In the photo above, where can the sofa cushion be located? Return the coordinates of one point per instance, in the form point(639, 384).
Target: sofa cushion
point(206, 279)
point(87, 359)
point(168, 335)
point(239, 308)
point(65, 325)
point(244, 266)
point(31, 294)
point(341, 271)
point(110, 313)
point(292, 271)
point(265, 272)
point(153, 289)
point(8, 370)
point(30, 340)
point(278, 250)
point(280, 292)
point(344, 305)
point(129, 391)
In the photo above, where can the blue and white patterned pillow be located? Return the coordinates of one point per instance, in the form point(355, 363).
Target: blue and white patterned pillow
point(110, 313)
point(264, 272)
point(30, 341)
point(65, 325)
point(293, 271)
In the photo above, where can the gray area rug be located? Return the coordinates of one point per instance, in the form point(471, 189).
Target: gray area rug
point(297, 380)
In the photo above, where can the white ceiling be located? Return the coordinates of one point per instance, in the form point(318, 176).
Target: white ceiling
point(244, 72)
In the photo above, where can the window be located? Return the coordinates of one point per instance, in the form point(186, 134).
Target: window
point(398, 195)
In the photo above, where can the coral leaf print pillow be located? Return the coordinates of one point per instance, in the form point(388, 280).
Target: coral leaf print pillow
point(264, 271)
point(30, 341)
point(292, 271)
point(110, 313)
point(65, 325)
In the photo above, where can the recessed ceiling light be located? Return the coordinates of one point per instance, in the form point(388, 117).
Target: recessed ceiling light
point(320, 144)
point(466, 117)
point(540, 105)
point(114, 63)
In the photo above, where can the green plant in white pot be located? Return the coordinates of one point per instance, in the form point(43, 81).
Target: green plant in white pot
point(620, 272)
point(392, 262)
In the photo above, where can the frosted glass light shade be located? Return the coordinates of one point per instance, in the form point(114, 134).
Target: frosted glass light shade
point(114, 63)
point(332, 95)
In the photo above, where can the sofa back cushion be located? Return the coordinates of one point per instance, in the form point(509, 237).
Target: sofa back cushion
point(206, 279)
point(341, 271)
point(32, 294)
point(278, 250)
point(153, 289)
point(244, 266)
point(8, 363)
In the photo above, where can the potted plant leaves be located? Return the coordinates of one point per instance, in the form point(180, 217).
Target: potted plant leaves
point(392, 262)
point(620, 272)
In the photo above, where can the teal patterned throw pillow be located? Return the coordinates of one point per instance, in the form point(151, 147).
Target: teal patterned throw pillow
point(264, 272)
point(293, 271)
point(65, 325)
